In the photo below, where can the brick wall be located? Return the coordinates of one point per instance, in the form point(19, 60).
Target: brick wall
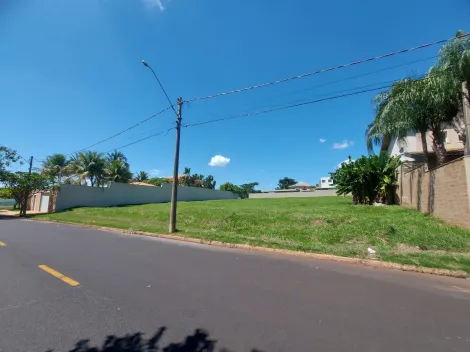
point(442, 192)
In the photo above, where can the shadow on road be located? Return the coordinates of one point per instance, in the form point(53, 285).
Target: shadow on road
point(8, 217)
point(199, 341)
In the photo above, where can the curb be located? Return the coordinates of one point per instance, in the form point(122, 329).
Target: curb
point(366, 262)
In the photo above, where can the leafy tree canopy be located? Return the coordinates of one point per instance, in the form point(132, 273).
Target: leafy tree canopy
point(21, 185)
point(285, 182)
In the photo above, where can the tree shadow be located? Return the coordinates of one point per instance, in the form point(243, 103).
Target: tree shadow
point(199, 341)
point(8, 217)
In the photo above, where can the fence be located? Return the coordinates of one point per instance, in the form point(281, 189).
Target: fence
point(442, 192)
point(71, 196)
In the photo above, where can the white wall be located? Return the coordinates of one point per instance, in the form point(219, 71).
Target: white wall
point(71, 196)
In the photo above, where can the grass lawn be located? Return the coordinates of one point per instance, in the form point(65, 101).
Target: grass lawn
point(323, 225)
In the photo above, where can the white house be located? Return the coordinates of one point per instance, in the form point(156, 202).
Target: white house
point(325, 183)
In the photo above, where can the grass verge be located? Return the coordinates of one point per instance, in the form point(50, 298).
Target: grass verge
point(329, 225)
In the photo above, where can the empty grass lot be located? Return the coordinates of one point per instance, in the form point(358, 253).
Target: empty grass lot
point(322, 225)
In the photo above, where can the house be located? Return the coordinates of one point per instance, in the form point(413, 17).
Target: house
point(411, 149)
point(302, 186)
point(326, 183)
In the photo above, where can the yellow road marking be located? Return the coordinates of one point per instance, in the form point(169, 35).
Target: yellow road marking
point(58, 275)
point(2, 244)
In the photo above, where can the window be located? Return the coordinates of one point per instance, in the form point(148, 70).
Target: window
point(444, 137)
point(323, 181)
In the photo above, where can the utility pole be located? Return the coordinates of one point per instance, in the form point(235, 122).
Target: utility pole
point(26, 195)
point(466, 117)
point(174, 190)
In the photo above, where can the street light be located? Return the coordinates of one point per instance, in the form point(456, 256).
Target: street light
point(174, 189)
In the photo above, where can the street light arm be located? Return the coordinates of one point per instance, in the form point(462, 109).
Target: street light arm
point(161, 86)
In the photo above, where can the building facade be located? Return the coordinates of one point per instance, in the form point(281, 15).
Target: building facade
point(326, 183)
point(410, 148)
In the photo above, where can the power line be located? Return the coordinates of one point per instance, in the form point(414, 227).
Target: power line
point(164, 133)
point(284, 107)
point(327, 69)
point(123, 131)
point(305, 103)
point(358, 76)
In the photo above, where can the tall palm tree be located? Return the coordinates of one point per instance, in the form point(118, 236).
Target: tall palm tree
point(89, 166)
point(416, 105)
point(395, 116)
point(117, 171)
point(454, 58)
point(115, 155)
point(141, 176)
point(56, 165)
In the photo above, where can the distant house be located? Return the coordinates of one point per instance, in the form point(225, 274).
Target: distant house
point(326, 183)
point(410, 148)
point(302, 186)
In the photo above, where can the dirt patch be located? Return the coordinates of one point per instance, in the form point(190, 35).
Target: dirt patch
point(318, 222)
point(404, 248)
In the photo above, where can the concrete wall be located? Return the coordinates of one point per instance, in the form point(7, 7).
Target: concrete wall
point(71, 196)
point(317, 193)
point(442, 192)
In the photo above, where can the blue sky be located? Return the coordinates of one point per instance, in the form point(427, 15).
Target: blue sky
point(71, 75)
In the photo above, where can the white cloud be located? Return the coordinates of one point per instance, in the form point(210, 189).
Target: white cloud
point(219, 161)
point(322, 140)
point(154, 3)
point(345, 144)
point(154, 172)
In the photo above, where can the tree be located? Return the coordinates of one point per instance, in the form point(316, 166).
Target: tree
point(8, 157)
point(368, 178)
point(233, 188)
point(157, 181)
point(416, 105)
point(115, 155)
point(250, 188)
point(209, 182)
point(285, 182)
point(56, 166)
point(455, 58)
point(22, 184)
point(186, 180)
point(117, 171)
point(89, 166)
point(141, 176)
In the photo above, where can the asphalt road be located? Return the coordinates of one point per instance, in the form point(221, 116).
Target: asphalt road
point(148, 292)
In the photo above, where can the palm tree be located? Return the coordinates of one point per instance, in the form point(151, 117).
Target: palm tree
point(115, 155)
point(89, 166)
point(209, 182)
point(416, 105)
point(454, 58)
point(187, 179)
point(118, 171)
point(141, 176)
point(56, 165)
